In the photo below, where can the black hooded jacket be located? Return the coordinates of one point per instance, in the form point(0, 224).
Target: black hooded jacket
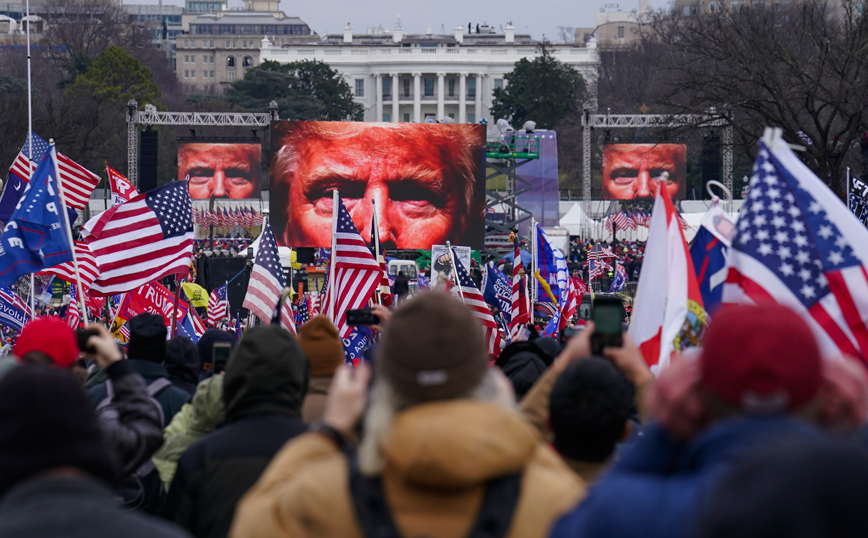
point(265, 383)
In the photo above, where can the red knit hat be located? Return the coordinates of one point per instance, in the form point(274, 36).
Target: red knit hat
point(761, 358)
point(51, 336)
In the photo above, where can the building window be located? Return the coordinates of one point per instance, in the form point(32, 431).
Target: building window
point(227, 43)
point(360, 87)
point(471, 88)
point(471, 118)
point(406, 87)
point(230, 75)
point(247, 62)
point(230, 61)
point(387, 117)
point(406, 117)
point(387, 88)
point(211, 74)
point(451, 87)
point(498, 84)
point(429, 87)
point(620, 32)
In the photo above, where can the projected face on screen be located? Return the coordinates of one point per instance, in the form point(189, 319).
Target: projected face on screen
point(221, 170)
point(635, 170)
point(426, 179)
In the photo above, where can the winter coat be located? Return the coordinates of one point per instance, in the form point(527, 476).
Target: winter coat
point(314, 402)
point(171, 398)
point(265, 382)
point(60, 506)
point(401, 285)
point(205, 414)
point(439, 457)
point(657, 486)
point(138, 431)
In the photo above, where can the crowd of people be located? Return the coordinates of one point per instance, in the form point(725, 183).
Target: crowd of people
point(754, 434)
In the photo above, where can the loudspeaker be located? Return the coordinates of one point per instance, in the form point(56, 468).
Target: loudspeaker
point(148, 160)
point(305, 255)
point(214, 272)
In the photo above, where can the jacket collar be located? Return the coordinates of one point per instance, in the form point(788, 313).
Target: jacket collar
point(44, 484)
point(149, 370)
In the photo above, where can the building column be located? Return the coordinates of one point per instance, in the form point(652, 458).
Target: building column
point(417, 97)
point(395, 110)
point(378, 87)
point(462, 98)
point(441, 92)
point(478, 97)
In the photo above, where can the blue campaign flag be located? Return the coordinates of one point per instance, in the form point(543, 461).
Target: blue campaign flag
point(709, 251)
point(497, 291)
point(19, 174)
point(619, 280)
point(14, 312)
point(355, 344)
point(185, 328)
point(552, 267)
point(36, 236)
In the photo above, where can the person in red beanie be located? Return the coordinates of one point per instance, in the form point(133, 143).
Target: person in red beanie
point(759, 378)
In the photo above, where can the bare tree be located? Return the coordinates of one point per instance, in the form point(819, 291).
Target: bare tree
point(566, 34)
point(799, 66)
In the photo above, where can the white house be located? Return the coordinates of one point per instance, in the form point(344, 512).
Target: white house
point(414, 77)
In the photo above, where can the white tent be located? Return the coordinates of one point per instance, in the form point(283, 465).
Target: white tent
point(574, 220)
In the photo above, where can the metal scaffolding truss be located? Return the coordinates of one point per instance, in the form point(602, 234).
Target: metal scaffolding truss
point(628, 121)
point(151, 116)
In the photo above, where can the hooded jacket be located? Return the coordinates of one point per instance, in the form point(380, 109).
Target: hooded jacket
point(202, 417)
point(439, 457)
point(265, 382)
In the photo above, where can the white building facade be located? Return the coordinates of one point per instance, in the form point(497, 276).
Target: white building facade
point(419, 77)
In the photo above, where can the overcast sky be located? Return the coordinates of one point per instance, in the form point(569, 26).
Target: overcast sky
point(535, 17)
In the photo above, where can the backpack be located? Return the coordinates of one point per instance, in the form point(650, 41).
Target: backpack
point(142, 489)
point(375, 519)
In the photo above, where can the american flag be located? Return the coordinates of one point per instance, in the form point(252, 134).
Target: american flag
point(87, 267)
point(471, 296)
point(356, 273)
point(73, 316)
point(520, 315)
point(198, 326)
point(78, 182)
point(597, 263)
point(267, 282)
point(142, 240)
point(217, 305)
point(796, 244)
point(577, 291)
point(314, 304)
point(628, 218)
point(304, 312)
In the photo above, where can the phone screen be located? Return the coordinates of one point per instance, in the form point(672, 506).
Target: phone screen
point(607, 319)
point(221, 356)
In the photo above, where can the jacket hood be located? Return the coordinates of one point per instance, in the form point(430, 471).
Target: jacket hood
point(523, 369)
point(182, 359)
point(267, 373)
point(208, 409)
point(457, 444)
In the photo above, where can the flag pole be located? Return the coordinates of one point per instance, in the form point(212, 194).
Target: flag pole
point(533, 249)
point(455, 270)
point(30, 148)
point(60, 191)
point(331, 306)
point(376, 234)
point(847, 196)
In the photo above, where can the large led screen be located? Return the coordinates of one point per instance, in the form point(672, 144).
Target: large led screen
point(221, 170)
point(629, 170)
point(426, 180)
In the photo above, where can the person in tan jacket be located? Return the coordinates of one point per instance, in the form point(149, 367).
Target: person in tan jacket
point(440, 429)
point(325, 353)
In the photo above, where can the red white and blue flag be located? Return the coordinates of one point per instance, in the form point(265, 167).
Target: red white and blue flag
point(469, 293)
point(73, 315)
point(798, 245)
point(356, 273)
point(145, 239)
point(267, 282)
point(520, 316)
point(217, 306)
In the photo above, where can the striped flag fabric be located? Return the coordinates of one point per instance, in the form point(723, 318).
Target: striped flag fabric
point(304, 312)
point(78, 182)
point(470, 294)
point(121, 188)
point(87, 267)
point(145, 239)
point(384, 290)
point(218, 305)
point(356, 273)
point(519, 308)
point(14, 312)
point(798, 245)
point(576, 292)
point(267, 282)
point(73, 316)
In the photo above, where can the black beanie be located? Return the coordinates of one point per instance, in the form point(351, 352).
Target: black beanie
point(46, 421)
point(147, 338)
